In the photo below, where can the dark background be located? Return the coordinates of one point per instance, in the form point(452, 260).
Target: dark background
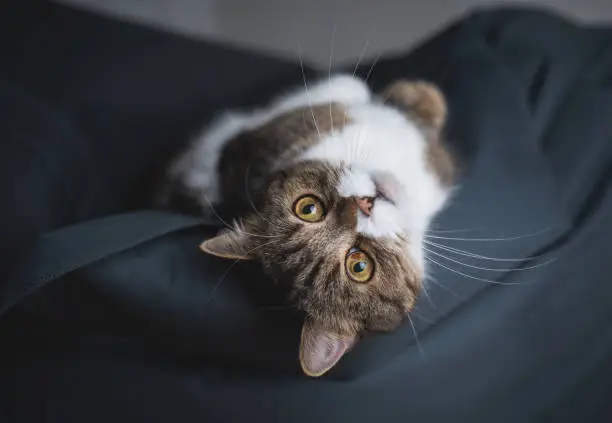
point(121, 319)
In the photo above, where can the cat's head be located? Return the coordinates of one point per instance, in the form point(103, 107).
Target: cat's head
point(344, 226)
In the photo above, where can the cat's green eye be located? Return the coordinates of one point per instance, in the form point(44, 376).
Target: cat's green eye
point(359, 266)
point(309, 209)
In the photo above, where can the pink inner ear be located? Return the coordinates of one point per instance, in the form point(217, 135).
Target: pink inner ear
point(320, 350)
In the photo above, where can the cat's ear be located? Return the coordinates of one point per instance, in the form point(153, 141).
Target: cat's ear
point(421, 101)
point(320, 349)
point(232, 244)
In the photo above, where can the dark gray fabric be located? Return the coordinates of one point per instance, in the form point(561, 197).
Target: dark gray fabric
point(143, 327)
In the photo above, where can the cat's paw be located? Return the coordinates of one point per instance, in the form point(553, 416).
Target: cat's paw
point(344, 89)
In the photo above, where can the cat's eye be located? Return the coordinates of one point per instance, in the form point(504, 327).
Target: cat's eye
point(359, 266)
point(309, 208)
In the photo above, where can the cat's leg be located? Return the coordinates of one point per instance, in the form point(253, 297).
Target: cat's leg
point(195, 170)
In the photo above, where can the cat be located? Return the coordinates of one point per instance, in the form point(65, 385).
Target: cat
point(336, 187)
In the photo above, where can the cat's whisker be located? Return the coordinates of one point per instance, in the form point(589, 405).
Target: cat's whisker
point(217, 215)
point(364, 150)
point(344, 119)
point(426, 320)
point(516, 269)
point(426, 292)
point(331, 55)
point(216, 286)
point(354, 149)
point(350, 146)
point(450, 269)
point(436, 231)
point(513, 238)
point(416, 337)
point(466, 253)
point(314, 119)
point(214, 289)
point(361, 153)
point(446, 288)
point(354, 143)
point(361, 55)
point(372, 67)
point(358, 146)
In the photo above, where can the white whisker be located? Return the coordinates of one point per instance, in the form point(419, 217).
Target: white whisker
point(489, 239)
point(353, 144)
point(449, 230)
point(416, 337)
point(217, 215)
point(426, 320)
point(372, 67)
point(363, 156)
point(471, 276)
point(307, 91)
point(361, 55)
point(477, 256)
point(446, 288)
point(363, 51)
point(426, 292)
point(331, 55)
point(516, 269)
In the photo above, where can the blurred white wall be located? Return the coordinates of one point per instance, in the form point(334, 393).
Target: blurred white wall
point(280, 26)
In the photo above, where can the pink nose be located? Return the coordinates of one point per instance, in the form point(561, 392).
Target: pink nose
point(365, 204)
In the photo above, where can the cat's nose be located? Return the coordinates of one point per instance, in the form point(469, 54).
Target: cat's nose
point(365, 204)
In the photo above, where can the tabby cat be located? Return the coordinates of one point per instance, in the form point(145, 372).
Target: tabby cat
point(337, 186)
